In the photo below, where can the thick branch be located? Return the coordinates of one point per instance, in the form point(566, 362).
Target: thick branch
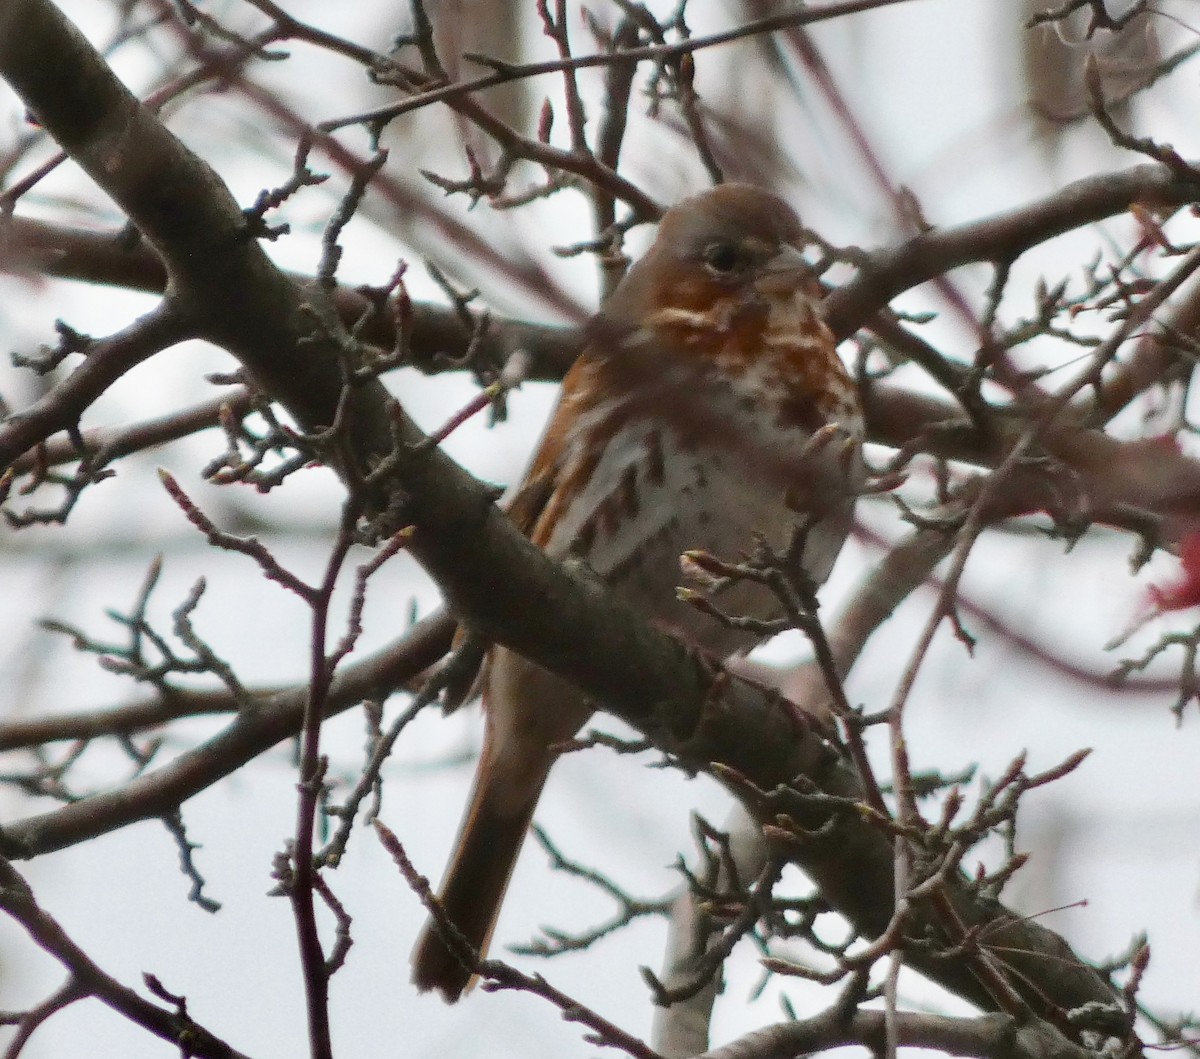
point(1002, 238)
point(990, 1036)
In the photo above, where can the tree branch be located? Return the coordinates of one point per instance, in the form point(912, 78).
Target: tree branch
point(275, 718)
point(986, 1037)
point(16, 898)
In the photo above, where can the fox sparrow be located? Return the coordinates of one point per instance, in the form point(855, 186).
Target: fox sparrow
point(708, 407)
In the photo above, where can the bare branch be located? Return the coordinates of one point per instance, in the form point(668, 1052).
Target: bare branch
point(991, 1036)
point(16, 898)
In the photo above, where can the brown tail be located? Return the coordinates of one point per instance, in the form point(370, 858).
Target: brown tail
point(487, 850)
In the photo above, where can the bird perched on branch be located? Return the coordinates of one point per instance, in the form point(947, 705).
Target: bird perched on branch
point(708, 411)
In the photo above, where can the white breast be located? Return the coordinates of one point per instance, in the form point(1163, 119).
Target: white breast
point(651, 497)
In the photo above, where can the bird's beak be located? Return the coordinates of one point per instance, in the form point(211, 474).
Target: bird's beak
point(784, 272)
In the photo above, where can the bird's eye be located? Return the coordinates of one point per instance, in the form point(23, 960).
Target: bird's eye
point(722, 258)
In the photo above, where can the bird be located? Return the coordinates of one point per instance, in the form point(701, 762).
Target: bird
point(708, 412)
